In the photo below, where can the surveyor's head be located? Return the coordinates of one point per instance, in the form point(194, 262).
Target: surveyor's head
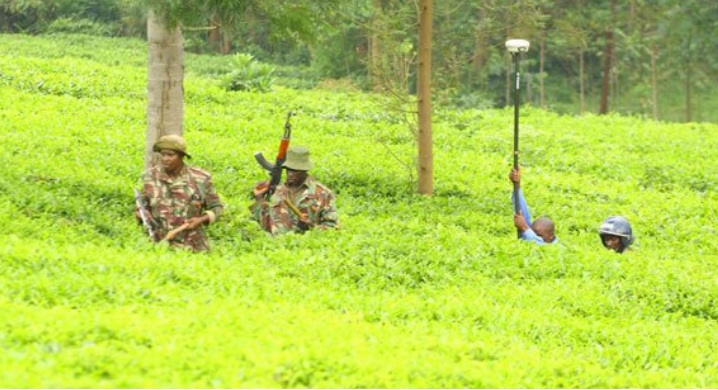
point(172, 149)
point(544, 228)
point(297, 165)
point(616, 233)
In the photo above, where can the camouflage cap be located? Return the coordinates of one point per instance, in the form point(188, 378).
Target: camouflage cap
point(298, 159)
point(171, 142)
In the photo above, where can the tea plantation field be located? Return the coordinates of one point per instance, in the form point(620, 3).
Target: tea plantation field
point(412, 292)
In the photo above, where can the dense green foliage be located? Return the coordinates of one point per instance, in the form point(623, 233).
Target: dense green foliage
point(248, 75)
point(412, 291)
point(661, 65)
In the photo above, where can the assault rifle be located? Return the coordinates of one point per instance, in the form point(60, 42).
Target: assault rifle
point(276, 169)
point(145, 215)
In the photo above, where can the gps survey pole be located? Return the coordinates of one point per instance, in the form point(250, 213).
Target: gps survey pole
point(515, 48)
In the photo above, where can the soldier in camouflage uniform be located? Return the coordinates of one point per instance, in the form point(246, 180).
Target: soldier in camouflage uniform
point(180, 198)
point(302, 203)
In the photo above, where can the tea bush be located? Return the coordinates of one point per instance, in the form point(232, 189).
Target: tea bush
point(412, 291)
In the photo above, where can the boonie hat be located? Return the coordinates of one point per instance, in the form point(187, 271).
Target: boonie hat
point(298, 159)
point(171, 142)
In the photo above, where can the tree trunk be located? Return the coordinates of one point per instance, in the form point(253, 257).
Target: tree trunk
point(654, 81)
point(4, 22)
point(165, 74)
point(480, 55)
point(426, 169)
point(582, 80)
point(606, 77)
point(615, 89)
point(226, 42)
point(374, 48)
point(689, 92)
point(607, 63)
point(542, 47)
point(213, 35)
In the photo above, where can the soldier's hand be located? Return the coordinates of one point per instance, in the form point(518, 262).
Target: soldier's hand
point(260, 189)
point(304, 222)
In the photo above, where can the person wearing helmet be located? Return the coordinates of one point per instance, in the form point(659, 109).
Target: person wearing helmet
point(300, 204)
point(616, 234)
point(542, 230)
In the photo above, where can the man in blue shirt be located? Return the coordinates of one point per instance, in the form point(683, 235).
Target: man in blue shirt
point(542, 230)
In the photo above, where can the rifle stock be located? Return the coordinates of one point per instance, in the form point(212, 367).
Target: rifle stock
point(172, 233)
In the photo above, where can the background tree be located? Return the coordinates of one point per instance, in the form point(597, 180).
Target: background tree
point(689, 30)
point(426, 159)
point(607, 60)
point(165, 70)
point(166, 55)
point(660, 65)
point(223, 16)
point(569, 35)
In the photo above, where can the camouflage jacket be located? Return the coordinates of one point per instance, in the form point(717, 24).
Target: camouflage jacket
point(316, 201)
point(172, 201)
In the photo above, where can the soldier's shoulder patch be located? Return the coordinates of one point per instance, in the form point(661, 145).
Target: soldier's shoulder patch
point(152, 172)
point(199, 172)
point(322, 188)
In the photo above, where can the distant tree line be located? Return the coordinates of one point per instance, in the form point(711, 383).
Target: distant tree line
point(654, 58)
